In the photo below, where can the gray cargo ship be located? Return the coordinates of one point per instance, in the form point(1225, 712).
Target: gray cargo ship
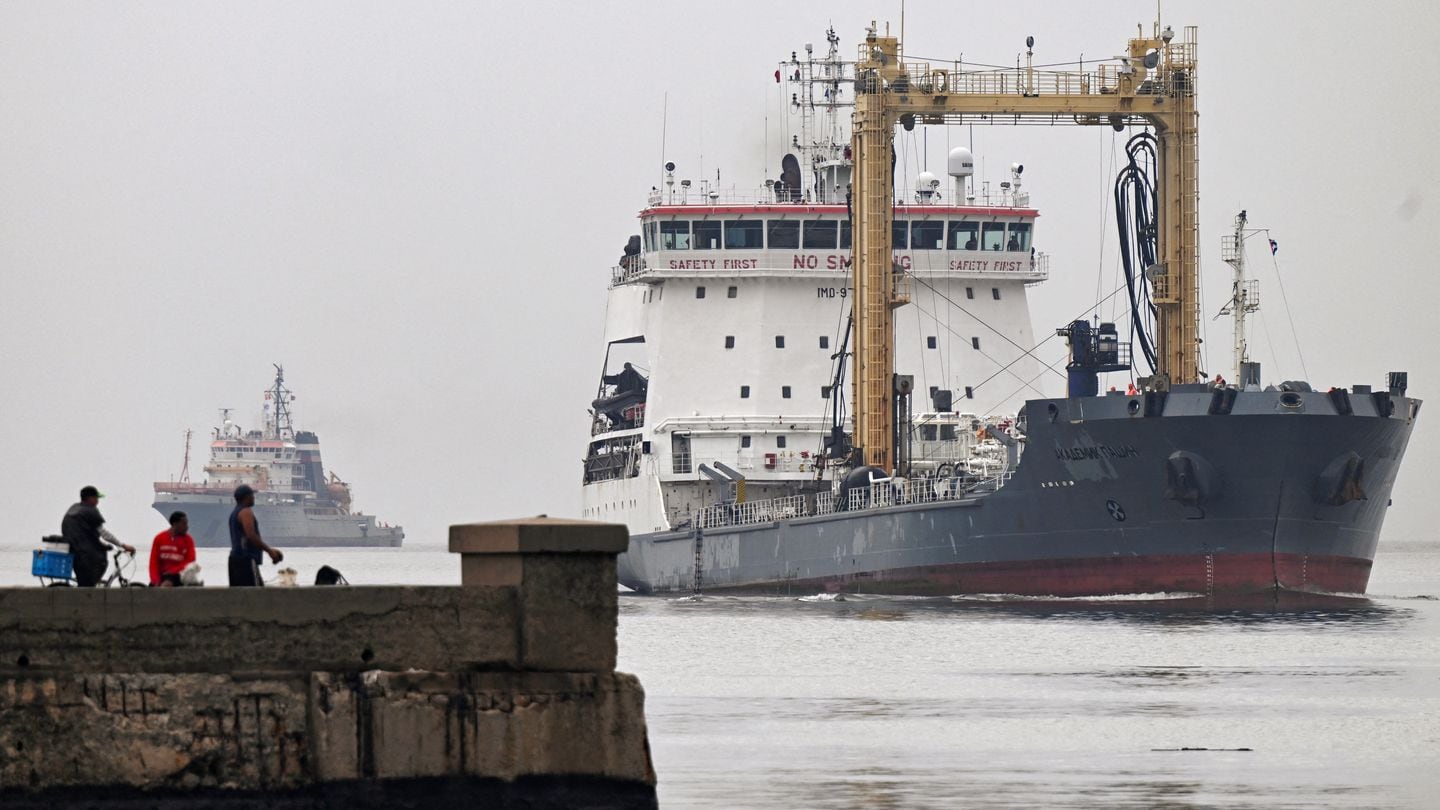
point(297, 503)
point(721, 435)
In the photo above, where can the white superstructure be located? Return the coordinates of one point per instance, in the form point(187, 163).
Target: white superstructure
point(733, 308)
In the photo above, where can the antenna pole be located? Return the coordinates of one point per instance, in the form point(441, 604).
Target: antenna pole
point(185, 467)
point(664, 127)
point(1244, 293)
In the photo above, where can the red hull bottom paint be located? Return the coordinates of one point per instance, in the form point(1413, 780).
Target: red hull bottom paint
point(1202, 574)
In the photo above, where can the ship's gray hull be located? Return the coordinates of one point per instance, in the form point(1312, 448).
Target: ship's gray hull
point(1274, 495)
point(282, 525)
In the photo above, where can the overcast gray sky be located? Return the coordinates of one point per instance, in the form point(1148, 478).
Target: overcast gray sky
point(414, 206)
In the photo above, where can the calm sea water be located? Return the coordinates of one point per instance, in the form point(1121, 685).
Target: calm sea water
point(917, 703)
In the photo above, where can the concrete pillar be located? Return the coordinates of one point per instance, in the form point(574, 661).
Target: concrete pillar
point(565, 574)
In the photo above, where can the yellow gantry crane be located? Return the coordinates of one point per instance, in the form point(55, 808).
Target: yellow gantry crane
point(1154, 85)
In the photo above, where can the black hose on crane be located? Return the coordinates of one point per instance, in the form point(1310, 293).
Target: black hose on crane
point(1135, 206)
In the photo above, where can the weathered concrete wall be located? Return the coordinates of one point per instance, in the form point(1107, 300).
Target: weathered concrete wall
point(504, 684)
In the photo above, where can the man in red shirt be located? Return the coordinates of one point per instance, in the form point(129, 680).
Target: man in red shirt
point(173, 550)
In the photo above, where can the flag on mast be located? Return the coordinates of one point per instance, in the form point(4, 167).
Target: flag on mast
point(1274, 247)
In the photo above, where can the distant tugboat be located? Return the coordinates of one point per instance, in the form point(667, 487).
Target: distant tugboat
point(297, 505)
point(724, 441)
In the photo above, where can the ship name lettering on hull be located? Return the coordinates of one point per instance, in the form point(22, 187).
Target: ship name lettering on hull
point(1095, 452)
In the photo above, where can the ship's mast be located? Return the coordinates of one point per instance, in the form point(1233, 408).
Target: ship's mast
point(1245, 293)
point(1154, 85)
point(819, 95)
point(277, 420)
point(185, 467)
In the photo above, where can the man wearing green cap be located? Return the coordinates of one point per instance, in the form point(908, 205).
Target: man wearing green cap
point(83, 528)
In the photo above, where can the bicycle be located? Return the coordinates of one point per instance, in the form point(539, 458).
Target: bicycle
point(120, 570)
point(55, 569)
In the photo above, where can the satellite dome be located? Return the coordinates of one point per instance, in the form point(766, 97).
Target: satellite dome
point(961, 162)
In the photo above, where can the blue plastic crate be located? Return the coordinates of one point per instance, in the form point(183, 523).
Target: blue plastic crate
point(56, 564)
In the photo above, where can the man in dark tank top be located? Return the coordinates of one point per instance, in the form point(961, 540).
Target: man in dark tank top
point(247, 548)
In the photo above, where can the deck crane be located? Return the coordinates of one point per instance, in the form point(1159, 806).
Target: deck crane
point(1153, 85)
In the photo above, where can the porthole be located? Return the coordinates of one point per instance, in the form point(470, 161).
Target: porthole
point(1133, 407)
point(1290, 399)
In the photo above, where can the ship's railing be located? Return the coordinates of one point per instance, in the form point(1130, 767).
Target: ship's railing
point(736, 195)
point(628, 271)
point(879, 495)
point(1105, 79)
point(740, 514)
point(1039, 269)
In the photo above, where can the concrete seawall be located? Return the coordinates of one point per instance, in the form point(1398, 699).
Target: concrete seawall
point(501, 692)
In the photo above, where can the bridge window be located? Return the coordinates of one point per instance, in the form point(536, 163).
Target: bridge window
point(970, 293)
point(779, 341)
point(900, 234)
point(699, 292)
point(975, 341)
point(824, 392)
point(969, 392)
point(741, 234)
point(784, 392)
point(995, 293)
point(744, 441)
point(729, 341)
point(930, 342)
point(1019, 236)
point(732, 292)
point(964, 236)
point(707, 235)
point(824, 341)
point(780, 441)
point(675, 236)
point(992, 235)
point(927, 235)
point(744, 392)
point(820, 234)
point(845, 235)
point(784, 234)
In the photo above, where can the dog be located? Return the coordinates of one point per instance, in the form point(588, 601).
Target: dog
point(286, 577)
point(190, 575)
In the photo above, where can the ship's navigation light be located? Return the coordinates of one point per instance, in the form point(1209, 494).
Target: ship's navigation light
point(1167, 35)
point(669, 166)
point(1029, 42)
point(1017, 169)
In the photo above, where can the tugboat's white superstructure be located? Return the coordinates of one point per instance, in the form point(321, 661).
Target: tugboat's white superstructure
point(298, 501)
